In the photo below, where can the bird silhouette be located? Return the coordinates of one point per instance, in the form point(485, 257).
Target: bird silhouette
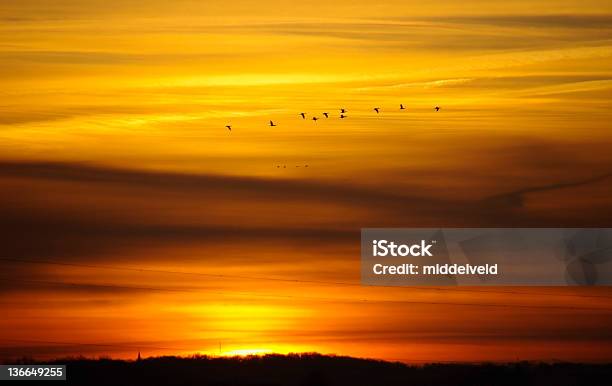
point(229, 127)
point(303, 115)
point(437, 108)
point(377, 109)
point(326, 115)
point(315, 119)
point(272, 124)
point(342, 111)
point(402, 107)
point(342, 116)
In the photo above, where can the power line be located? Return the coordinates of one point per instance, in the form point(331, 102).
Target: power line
point(336, 300)
point(97, 285)
point(300, 281)
point(135, 347)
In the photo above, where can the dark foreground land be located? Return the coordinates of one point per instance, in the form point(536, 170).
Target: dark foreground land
point(318, 370)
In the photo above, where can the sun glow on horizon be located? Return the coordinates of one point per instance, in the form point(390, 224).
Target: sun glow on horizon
point(280, 349)
point(247, 352)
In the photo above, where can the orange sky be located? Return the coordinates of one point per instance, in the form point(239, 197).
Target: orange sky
point(114, 156)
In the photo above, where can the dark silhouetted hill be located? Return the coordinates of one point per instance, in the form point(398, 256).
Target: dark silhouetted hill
point(322, 370)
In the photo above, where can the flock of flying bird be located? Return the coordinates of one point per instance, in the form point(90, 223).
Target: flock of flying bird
point(342, 115)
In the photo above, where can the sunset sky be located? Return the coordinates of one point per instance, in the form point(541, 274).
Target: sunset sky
point(132, 220)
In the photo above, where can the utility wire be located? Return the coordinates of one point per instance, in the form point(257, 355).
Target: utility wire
point(300, 281)
point(325, 299)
